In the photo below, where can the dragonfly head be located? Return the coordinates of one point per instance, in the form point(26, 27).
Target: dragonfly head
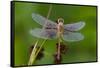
point(60, 20)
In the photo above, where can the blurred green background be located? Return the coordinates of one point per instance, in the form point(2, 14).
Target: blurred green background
point(81, 51)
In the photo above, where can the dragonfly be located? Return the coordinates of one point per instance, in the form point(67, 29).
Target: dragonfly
point(52, 30)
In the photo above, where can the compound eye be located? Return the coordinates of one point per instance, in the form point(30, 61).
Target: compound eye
point(60, 20)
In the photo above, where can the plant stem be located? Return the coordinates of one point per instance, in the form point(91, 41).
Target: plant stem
point(39, 50)
point(33, 54)
point(35, 51)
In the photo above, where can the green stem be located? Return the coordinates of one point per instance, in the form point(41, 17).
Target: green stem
point(39, 50)
point(35, 51)
point(33, 54)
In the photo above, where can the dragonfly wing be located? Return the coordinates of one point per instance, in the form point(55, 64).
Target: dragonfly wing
point(43, 33)
point(43, 21)
point(72, 36)
point(75, 26)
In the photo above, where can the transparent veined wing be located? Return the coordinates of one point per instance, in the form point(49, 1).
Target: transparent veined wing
point(72, 36)
point(43, 33)
point(75, 26)
point(43, 21)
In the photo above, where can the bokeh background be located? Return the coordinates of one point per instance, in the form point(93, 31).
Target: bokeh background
point(81, 51)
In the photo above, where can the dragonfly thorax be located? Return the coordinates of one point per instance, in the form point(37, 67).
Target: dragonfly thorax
point(60, 28)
